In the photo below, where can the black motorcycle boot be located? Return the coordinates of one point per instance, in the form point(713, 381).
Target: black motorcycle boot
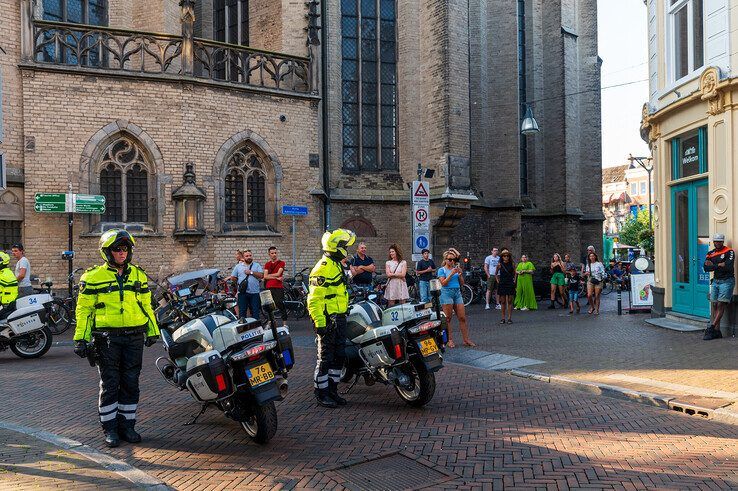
point(127, 433)
point(111, 437)
point(324, 399)
point(333, 393)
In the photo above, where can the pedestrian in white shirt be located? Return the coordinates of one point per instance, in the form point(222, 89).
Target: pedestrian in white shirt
point(490, 268)
point(22, 271)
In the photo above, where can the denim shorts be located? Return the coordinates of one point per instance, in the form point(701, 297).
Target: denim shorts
point(722, 290)
point(451, 296)
point(573, 296)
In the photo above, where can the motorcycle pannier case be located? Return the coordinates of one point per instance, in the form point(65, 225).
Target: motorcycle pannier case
point(207, 377)
point(27, 319)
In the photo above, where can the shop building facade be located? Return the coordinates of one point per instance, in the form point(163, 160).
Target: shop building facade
point(689, 123)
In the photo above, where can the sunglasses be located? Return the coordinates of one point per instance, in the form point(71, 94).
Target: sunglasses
point(119, 249)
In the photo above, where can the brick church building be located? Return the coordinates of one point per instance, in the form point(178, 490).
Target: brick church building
point(198, 120)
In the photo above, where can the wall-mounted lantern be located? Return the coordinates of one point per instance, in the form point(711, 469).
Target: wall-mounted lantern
point(188, 201)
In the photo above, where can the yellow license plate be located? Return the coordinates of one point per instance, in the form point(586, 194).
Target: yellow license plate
point(428, 347)
point(259, 374)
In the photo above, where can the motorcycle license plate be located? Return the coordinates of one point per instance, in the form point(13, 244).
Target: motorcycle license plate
point(259, 374)
point(428, 347)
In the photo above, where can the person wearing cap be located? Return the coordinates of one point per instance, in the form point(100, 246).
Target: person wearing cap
point(720, 261)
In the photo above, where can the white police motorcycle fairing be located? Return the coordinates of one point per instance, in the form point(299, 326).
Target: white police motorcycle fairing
point(25, 330)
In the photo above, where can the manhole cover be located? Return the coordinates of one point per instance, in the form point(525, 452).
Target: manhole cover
point(395, 472)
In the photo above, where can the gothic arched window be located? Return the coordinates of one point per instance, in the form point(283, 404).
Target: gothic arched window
point(124, 181)
point(245, 190)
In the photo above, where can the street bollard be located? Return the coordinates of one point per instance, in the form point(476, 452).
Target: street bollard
point(620, 299)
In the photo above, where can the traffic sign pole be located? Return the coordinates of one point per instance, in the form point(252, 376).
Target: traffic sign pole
point(294, 212)
point(70, 279)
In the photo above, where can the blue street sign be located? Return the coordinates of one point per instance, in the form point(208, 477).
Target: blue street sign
point(294, 210)
point(421, 242)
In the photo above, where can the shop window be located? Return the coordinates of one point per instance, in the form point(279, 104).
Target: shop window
point(686, 40)
point(689, 154)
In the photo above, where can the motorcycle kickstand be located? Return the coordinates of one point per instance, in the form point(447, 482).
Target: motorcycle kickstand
point(356, 380)
point(202, 411)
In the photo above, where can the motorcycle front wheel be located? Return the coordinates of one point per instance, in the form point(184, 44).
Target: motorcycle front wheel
point(261, 425)
point(32, 345)
point(423, 384)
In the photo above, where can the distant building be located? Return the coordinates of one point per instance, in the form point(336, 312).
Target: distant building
point(624, 194)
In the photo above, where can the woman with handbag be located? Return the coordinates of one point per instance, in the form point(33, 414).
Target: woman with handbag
point(595, 273)
point(395, 269)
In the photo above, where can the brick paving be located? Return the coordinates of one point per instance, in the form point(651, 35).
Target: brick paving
point(609, 348)
point(483, 430)
point(29, 463)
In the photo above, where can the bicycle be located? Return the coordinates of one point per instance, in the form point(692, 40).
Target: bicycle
point(60, 312)
point(295, 295)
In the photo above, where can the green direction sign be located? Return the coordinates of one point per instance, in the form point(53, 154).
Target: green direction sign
point(50, 202)
point(89, 203)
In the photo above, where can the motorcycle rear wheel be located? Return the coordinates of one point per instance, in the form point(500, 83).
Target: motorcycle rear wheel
point(32, 345)
point(424, 384)
point(261, 426)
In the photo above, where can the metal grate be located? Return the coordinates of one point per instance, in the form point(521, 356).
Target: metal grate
point(399, 471)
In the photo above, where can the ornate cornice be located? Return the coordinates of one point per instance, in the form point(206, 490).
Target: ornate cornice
point(716, 92)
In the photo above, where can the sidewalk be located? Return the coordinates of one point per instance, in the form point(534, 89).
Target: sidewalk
point(622, 351)
point(27, 462)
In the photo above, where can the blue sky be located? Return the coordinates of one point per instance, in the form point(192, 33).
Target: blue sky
point(623, 47)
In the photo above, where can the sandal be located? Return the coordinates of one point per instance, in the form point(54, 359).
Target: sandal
point(450, 344)
point(590, 311)
point(470, 344)
point(509, 321)
point(502, 321)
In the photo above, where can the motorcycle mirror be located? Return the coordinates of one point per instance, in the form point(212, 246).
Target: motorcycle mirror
point(435, 285)
point(267, 302)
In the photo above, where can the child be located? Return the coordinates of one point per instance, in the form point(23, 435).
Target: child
point(573, 284)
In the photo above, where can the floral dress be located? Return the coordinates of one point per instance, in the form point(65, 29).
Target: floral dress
point(396, 287)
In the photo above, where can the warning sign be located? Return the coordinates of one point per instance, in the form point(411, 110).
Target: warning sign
point(420, 193)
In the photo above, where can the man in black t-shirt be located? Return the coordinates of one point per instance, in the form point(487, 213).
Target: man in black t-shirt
point(362, 267)
point(425, 269)
point(720, 261)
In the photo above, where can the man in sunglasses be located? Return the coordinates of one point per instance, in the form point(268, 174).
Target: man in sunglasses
point(114, 313)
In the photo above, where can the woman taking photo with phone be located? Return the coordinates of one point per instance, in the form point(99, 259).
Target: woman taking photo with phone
point(452, 278)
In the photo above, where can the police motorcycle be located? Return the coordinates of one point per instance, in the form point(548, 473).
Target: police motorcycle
point(401, 346)
point(238, 366)
point(26, 330)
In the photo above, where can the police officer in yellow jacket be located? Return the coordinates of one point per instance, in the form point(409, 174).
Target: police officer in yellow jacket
point(114, 312)
point(8, 287)
point(327, 303)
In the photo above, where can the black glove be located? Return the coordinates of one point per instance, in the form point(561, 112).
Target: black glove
point(151, 341)
point(80, 349)
point(320, 329)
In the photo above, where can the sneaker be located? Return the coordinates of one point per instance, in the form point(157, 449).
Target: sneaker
point(710, 333)
point(498, 307)
point(486, 307)
point(524, 308)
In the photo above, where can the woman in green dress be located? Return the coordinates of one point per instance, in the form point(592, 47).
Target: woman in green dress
point(525, 297)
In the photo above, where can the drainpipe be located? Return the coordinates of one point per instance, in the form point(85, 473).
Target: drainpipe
point(324, 112)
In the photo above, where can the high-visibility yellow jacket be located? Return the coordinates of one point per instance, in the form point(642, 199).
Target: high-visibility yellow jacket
point(328, 293)
point(8, 286)
point(111, 301)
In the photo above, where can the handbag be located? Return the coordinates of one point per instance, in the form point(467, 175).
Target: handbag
point(592, 279)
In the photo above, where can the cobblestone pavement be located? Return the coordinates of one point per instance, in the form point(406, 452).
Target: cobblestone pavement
point(29, 463)
point(482, 430)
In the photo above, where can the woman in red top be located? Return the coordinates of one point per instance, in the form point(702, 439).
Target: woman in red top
point(273, 273)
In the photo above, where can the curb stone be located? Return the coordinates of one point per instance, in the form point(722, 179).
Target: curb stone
point(133, 474)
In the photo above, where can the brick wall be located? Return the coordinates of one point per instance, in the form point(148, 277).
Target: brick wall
point(12, 100)
point(178, 119)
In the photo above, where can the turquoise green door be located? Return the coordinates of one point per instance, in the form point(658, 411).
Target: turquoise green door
point(690, 243)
